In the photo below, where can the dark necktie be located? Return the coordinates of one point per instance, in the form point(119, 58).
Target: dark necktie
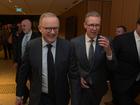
point(51, 73)
point(91, 52)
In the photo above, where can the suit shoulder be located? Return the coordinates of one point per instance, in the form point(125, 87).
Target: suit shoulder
point(64, 41)
point(36, 34)
point(124, 36)
point(76, 39)
point(34, 41)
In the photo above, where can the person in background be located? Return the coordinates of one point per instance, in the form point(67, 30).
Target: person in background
point(5, 34)
point(120, 30)
point(95, 59)
point(25, 36)
point(51, 60)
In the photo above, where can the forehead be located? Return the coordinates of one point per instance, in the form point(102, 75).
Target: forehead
point(93, 20)
point(25, 22)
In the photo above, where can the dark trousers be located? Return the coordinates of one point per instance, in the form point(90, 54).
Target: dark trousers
point(114, 93)
point(89, 97)
point(128, 97)
point(26, 90)
point(45, 100)
point(7, 50)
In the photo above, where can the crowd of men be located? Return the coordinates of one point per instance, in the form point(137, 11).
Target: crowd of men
point(59, 70)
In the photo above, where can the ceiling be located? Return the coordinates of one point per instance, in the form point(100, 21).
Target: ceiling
point(35, 7)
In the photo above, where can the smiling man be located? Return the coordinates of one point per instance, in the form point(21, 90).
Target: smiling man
point(51, 61)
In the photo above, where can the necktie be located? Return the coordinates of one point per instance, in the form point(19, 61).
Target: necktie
point(24, 42)
point(91, 52)
point(51, 72)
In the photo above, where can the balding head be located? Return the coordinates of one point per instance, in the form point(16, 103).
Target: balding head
point(47, 15)
point(26, 25)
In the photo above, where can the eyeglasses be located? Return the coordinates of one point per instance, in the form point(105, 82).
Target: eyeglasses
point(49, 29)
point(93, 25)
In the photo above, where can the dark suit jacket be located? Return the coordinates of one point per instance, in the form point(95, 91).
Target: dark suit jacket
point(65, 66)
point(128, 62)
point(98, 71)
point(18, 45)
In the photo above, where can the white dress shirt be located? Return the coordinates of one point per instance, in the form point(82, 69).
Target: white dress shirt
point(137, 39)
point(88, 42)
point(25, 39)
point(44, 64)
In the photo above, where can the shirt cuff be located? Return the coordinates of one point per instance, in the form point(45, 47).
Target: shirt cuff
point(109, 57)
point(18, 98)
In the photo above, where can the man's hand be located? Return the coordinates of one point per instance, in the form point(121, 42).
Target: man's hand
point(19, 101)
point(84, 84)
point(104, 42)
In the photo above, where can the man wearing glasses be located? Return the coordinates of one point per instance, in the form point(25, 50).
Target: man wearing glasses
point(95, 57)
point(51, 61)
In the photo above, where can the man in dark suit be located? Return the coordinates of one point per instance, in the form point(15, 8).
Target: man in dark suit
point(120, 30)
point(94, 56)
point(19, 48)
point(42, 54)
point(126, 77)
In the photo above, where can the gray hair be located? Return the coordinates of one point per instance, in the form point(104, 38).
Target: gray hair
point(47, 14)
point(92, 14)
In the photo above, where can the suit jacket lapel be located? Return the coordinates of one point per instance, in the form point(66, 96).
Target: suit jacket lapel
point(132, 43)
point(83, 51)
point(39, 57)
point(58, 56)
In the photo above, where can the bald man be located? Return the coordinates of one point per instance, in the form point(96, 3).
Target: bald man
point(26, 35)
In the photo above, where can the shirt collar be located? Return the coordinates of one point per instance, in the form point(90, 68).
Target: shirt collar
point(88, 39)
point(44, 43)
point(29, 33)
point(137, 37)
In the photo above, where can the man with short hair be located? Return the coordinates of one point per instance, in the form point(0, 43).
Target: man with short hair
point(126, 80)
point(95, 57)
point(51, 60)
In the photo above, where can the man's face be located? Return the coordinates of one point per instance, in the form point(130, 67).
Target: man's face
point(119, 31)
point(26, 26)
point(92, 26)
point(49, 28)
point(138, 29)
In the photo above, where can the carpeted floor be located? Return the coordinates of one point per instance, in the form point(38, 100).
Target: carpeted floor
point(7, 83)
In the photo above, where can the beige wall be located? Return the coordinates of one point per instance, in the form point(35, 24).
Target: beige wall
point(78, 11)
point(106, 15)
point(124, 12)
point(113, 12)
point(103, 7)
